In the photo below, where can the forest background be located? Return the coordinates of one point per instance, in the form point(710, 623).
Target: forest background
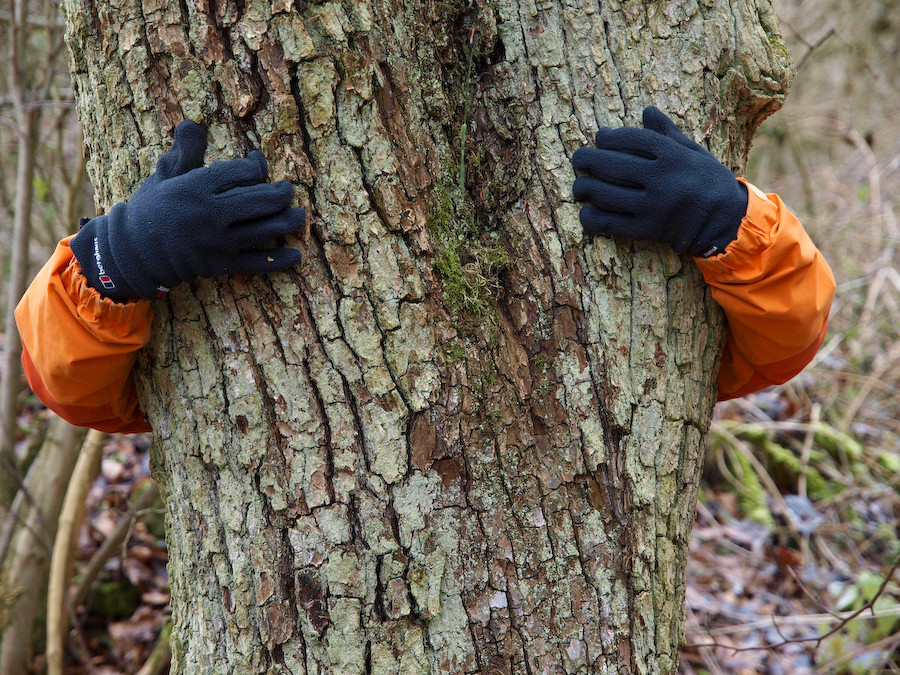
point(793, 555)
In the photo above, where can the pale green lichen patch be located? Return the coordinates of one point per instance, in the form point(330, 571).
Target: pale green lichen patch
point(349, 574)
point(425, 577)
point(295, 42)
point(307, 542)
point(386, 440)
point(317, 81)
point(193, 89)
point(409, 354)
point(345, 642)
point(309, 474)
point(376, 528)
point(414, 659)
point(358, 322)
point(413, 501)
point(255, 22)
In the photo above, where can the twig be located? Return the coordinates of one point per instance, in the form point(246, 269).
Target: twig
point(763, 476)
point(86, 469)
point(799, 620)
point(465, 123)
point(23, 464)
point(876, 205)
point(750, 409)
point(808, 593)
point(810, 46)
point(832, 558)
point(8, 528)
point(162, 653)
point(704, 512)
point(826, 350)
point(843, 618)
point(863, 379)
point(113, 543)
point(834, 666)
point(728, 474)
point(814, 416)
point(861, 396)
point(44, 535)
point(708, 655)
point(35, 23)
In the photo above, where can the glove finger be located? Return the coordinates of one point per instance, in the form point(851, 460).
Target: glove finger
point(655, 120)
point(186, 152)
point(608, 197)
point(631, 140)
point(256, 232)
point(228, 174)
point(254, 201)
point(612, 167)
point(192, 139)
point(595, 221)
point(265, 261)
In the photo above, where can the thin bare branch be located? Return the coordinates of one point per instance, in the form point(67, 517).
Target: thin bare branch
point(86, 469)
point(867, 611)
point(113, 543)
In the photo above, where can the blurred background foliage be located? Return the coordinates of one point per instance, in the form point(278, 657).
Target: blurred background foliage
point(797, 528)
point(793, 557)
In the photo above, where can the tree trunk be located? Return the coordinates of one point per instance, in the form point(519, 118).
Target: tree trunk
point(459, 437)
point(11, 378)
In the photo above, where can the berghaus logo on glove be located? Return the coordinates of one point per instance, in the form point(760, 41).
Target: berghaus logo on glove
point(105, 279)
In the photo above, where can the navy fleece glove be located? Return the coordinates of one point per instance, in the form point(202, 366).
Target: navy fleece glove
point(656, 184)
point(188, 221)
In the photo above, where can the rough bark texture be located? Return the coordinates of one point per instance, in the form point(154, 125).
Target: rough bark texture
point(459, 438)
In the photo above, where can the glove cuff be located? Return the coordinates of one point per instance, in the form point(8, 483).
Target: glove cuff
point(723, 227)
point(91, 249)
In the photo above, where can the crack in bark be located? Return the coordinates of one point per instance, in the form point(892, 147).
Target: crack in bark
point(326, 423)
point(313, 601)
point(319, 340)
point(611, 53)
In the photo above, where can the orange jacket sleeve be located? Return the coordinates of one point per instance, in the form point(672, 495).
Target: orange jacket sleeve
point(773, 283)
point(79, 348)
point(776, 290)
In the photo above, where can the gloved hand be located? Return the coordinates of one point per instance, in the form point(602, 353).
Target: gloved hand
point(655, 184)
point(188, 221)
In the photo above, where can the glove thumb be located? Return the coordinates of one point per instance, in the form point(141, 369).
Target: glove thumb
point(186, 153)
point(656, 120)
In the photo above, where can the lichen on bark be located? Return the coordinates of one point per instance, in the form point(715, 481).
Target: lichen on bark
point(360, 476)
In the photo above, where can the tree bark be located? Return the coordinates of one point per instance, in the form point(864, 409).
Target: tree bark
point(11, 379)
point(460, 437)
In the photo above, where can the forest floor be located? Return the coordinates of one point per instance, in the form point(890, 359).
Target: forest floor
point(772, 573)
